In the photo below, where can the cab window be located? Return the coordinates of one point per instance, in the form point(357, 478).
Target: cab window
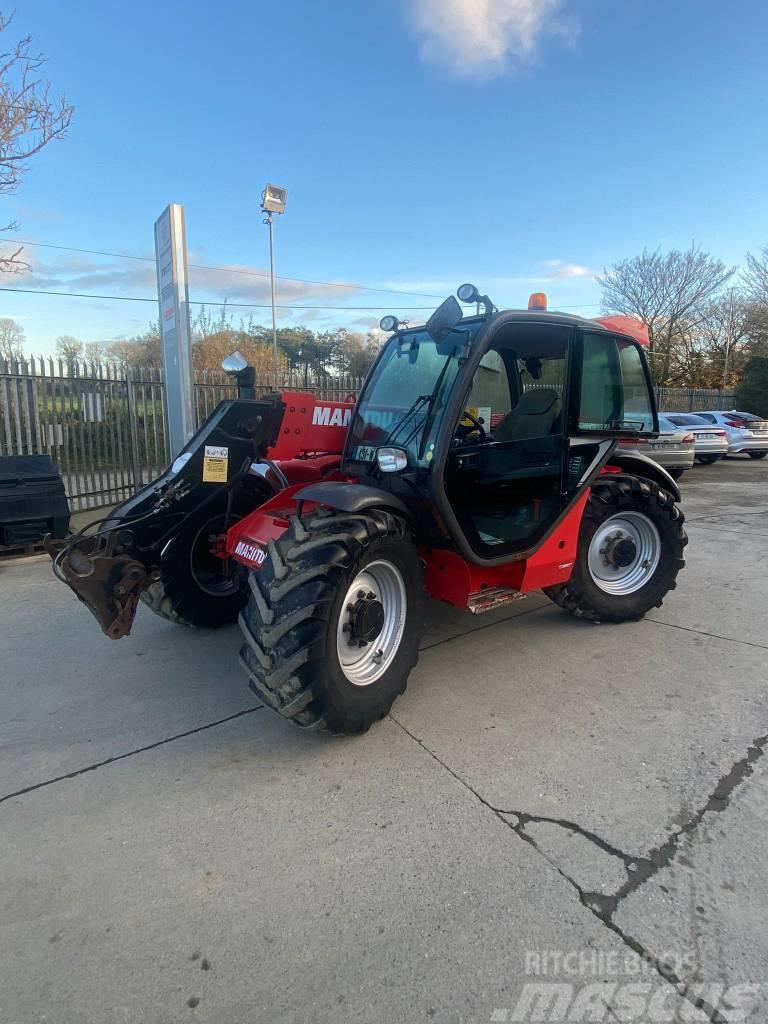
point(614, 391)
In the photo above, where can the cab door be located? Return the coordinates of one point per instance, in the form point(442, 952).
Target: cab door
point(505, 481)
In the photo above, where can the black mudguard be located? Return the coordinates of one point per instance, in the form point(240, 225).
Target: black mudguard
point(640, 465)
point(352, 497)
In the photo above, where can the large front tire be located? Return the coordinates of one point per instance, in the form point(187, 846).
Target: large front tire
point(631, 544)
point(335, 618)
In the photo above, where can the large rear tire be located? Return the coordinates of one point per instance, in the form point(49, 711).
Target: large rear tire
point(631, 544)
point(335, 618)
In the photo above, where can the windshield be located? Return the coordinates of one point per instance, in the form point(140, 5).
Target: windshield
point(403, 400)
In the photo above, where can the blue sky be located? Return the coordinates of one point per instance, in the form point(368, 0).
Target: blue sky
point(520, 144)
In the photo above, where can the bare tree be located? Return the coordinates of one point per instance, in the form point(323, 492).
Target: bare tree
point(755, 276)
point(30, 118)
point(668, 292)
point(724, 328)
point(11, 340)
point(68, 348)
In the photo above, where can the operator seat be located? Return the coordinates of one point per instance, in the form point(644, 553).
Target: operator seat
point(533, 416)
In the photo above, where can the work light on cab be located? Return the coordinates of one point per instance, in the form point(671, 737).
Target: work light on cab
point(391, 460)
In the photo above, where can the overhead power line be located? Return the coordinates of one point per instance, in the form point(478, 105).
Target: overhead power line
point(195, 302)
point(226, 270)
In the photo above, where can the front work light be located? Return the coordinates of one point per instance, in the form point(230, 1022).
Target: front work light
point(538, 300)
point(391, 460)
point(468, 293)
point(389, 323)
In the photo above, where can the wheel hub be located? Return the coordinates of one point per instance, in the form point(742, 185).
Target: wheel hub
point(620, 552)
point(366, 618)
point(624, 553)
point(371, 623)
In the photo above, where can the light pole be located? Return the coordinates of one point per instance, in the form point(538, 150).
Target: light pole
point(273, 201)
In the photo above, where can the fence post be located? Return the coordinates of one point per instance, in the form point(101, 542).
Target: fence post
point(133, 430)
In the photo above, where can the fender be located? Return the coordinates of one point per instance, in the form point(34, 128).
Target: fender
point(640, 465)
point(352, 497)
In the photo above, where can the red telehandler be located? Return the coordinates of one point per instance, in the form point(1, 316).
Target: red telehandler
point(480, 462)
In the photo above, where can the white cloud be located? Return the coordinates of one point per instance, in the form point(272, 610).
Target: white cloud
point(233, 282)
point(477, 38)
point(559, 270)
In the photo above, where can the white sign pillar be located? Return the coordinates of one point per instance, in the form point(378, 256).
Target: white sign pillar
point(175, 330)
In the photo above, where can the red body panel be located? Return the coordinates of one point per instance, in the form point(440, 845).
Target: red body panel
point(311, 425)
point(626, 325)
point(450, 578)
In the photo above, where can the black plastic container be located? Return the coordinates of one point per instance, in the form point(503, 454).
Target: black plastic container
point(32, 500)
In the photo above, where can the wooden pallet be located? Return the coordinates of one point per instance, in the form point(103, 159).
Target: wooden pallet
point(8, 551)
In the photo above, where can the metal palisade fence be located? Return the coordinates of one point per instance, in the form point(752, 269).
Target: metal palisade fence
point(104, 425)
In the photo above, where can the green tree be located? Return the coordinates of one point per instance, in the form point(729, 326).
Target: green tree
point(752, 392)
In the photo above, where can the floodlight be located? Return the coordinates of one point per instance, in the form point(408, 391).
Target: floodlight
point(273, 199)
point(389, 323)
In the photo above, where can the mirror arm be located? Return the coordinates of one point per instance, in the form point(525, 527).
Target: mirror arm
point(246, 380)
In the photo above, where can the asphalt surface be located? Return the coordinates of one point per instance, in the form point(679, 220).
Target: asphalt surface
point(559, 821)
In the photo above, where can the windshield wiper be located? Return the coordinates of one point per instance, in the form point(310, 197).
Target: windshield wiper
point(412, 409)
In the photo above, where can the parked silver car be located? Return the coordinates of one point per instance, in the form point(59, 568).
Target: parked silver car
point(711, 441)
point(673, 448)
point(745, 431)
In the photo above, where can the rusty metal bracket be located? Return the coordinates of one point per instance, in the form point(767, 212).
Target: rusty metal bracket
point(108, 585)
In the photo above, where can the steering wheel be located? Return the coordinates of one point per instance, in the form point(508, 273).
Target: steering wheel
point(476, 428)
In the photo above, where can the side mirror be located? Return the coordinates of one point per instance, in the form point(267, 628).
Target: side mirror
point(444, 319)
point(234, 363)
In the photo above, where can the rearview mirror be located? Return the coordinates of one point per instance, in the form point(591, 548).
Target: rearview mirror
point(444, 319)
point(234, 363)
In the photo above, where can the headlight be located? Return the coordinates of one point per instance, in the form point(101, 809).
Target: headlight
point(391, 460)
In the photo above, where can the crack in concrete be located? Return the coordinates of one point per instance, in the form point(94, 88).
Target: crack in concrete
point(639, 869)
point(703, 632)
point(587, 900)
point(129, 753)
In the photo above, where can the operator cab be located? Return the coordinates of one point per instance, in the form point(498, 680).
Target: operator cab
point(497, 421)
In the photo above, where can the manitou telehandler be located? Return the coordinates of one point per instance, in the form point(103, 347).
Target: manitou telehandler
point(482, 460)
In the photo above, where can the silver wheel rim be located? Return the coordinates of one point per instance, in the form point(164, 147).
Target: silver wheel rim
point(626, 579)
point(364, 665)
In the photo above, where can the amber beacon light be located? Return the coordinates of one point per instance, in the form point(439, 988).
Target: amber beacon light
point(538, 300)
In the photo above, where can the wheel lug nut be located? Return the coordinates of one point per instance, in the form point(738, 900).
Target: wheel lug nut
point(360, 595)
point(370, 595)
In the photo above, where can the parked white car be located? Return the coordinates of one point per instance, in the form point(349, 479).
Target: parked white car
point(673, 448)
point(745, 431)
point(711, 440)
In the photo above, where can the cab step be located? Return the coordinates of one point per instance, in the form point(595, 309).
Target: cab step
point(492, 597)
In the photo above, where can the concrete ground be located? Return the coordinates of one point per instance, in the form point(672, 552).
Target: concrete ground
point(559, 821)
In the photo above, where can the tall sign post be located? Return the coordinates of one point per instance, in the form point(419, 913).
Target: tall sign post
point(175, 330)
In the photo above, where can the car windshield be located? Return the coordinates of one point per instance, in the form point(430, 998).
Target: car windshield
point(404, 397)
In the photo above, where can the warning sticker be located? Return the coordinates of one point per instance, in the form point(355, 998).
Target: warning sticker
point(215, 462)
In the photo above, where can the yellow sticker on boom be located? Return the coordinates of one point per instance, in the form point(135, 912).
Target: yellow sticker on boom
point(215, 462)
